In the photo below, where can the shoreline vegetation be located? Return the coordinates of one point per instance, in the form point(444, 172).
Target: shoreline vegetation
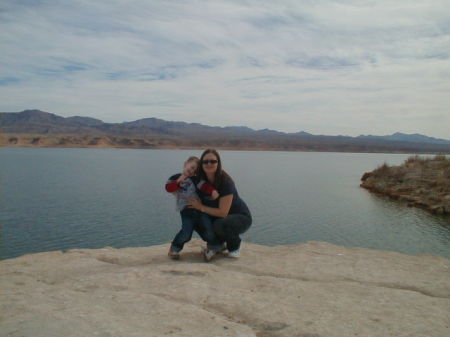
point(51, 140)
point(420, 182)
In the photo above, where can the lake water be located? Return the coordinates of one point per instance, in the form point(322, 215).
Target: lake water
point(55, 199)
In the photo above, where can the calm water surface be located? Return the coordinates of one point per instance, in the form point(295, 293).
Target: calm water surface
point(53, 199)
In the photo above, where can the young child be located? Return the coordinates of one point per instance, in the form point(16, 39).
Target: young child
point(183, 186)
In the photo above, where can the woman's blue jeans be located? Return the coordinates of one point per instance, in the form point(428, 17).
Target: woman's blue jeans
point(228, 230)
point(191, 220)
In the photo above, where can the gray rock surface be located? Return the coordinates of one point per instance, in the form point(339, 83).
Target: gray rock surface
point(307, 290)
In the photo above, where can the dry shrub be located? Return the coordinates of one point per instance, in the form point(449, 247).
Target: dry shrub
point(398, 173)
point(413, 159)
point(416, 159)
point(447, 173)
point(366, 176)
point(440, 157)
point(381, 170)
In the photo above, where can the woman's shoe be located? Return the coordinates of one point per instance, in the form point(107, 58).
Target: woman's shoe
point(234, 253)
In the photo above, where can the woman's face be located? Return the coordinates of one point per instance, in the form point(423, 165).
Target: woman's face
point(210, 163)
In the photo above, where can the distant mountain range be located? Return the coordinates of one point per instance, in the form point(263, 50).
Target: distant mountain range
point(403, 137)
point(182, 134)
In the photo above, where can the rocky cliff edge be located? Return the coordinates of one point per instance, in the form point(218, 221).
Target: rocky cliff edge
point(314, 289)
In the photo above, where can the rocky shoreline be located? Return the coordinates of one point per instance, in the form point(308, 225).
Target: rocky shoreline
point(313, 289)
point(420, 182)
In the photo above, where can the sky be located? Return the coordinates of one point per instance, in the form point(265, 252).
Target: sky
point(342, 67)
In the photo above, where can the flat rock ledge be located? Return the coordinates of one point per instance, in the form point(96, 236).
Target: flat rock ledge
point(314, 289)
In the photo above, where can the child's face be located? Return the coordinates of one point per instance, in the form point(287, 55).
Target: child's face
point(190, 168)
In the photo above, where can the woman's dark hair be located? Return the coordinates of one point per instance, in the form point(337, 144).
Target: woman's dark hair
point(220, 174)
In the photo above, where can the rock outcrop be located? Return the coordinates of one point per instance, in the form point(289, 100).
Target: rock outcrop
point(306, 290)
point(421, 182)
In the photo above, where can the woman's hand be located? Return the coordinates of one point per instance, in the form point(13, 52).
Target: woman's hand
point(195, 203)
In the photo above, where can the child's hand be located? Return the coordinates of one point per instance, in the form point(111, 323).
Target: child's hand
point(214, 195)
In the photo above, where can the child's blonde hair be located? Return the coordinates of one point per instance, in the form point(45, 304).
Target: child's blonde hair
point(193, 159)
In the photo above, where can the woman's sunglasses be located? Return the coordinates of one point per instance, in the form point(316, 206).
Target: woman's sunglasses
point(212, 161)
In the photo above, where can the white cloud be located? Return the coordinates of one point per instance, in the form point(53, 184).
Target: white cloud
point(326, 67)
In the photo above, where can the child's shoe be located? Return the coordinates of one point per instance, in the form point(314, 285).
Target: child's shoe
point(208, 254)
point(235, 253)
point(173, 254)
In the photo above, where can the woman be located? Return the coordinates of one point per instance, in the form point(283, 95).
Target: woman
point(229, 214)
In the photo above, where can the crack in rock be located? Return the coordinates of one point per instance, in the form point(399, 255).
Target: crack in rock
point(344, 279)
point(184, 273)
